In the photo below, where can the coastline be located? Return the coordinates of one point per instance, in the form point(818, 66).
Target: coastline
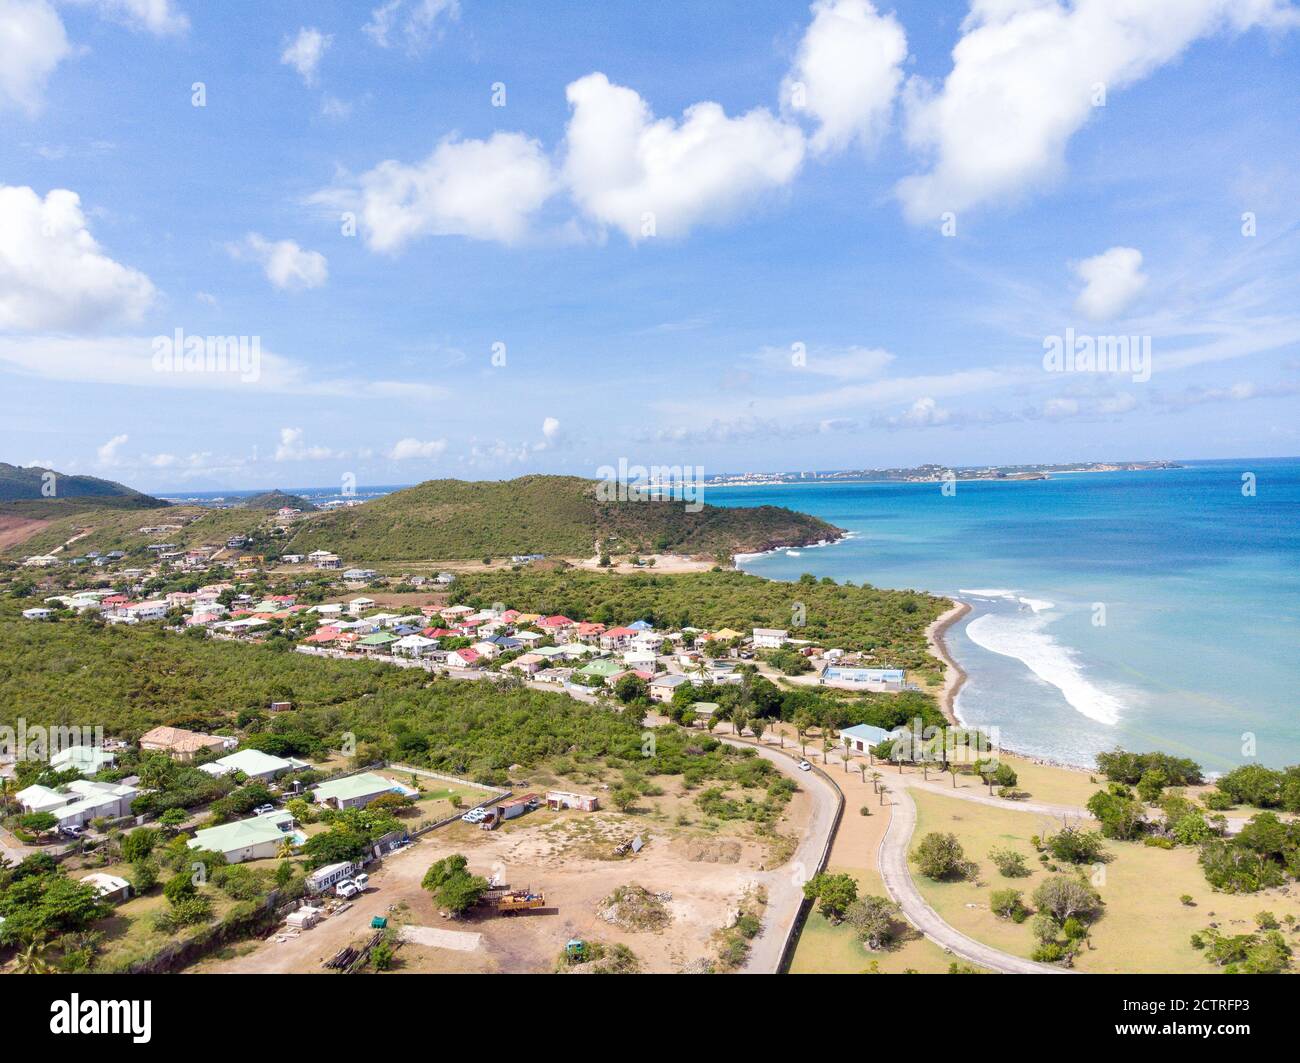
point(953, 673)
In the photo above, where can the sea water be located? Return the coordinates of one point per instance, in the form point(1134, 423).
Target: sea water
point(1142, 610)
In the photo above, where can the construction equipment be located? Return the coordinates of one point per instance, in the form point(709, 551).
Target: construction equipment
point(511, 901)
point(576, 950)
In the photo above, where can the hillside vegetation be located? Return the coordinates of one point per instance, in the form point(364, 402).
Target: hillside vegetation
point(105, 528)
point(17, 483)
point(554, 515)
point(278, 499)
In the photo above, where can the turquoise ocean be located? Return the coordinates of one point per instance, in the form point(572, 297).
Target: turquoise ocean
point(1145, 610)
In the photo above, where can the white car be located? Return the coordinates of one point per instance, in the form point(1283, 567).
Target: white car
point(804, 766)
point(361, 881)
point(346, 888)
point(261, 810)
point(474, 815)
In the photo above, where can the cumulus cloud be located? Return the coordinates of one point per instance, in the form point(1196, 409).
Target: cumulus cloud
point(1024, 79)
point(1111, 281)
point(551, 428)
point(159, 17)
point(846, 73)
point(32, 43)
point(406, 449)
point(305, 52)
point(414, 23)
point(287, 265)
point(53, 274)
point(625, 168)
point(107, 454)
point(482, 189)
point(293, 447)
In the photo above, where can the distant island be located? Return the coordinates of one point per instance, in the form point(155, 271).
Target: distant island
point(278, 499)
point(933, 473)
point(36, 483)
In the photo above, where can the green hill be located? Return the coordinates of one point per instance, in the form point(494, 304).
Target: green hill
point(553, 515)
point(20, 484)
point(278, 499)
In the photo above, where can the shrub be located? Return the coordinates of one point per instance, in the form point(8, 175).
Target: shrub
point(1009, 862)
point(940, 856)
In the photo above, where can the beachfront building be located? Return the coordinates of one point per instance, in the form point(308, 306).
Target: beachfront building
point(861, 737)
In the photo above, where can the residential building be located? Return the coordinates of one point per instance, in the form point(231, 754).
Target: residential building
point(770, 638)
point(258, 838)
point(183, 745)
point(357, 791)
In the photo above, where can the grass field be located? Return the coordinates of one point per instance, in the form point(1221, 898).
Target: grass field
point(1144, 927)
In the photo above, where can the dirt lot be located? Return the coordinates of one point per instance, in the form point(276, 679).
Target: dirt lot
point(569, 856)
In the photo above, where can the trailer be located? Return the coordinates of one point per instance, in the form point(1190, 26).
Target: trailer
point(509, 901)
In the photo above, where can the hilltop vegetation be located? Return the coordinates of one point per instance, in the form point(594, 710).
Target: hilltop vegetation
point(889, 624)
point(18, 483)
point(278, 499)
point(554, 515)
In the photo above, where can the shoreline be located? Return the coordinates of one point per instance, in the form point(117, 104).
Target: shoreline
point(954, 675)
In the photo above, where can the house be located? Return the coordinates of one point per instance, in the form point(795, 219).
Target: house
point(885, 676)
point(529, 638)
point(861, 737)
point(291, 559)
point(80, 801)
point(110, 888)
point(414, 645)
point(603, 668)
point(359, 575)
point(41, 561)
point(444, 579)
point(617, 638)
point(322, 636)
point(464, 658)
point(258, 766)
point(380, 642)
point(142, 611)
point(89, 760)
point(589, 633)
point(329, 609)
point(37, 614)
point(662, 687)
point(639, 659)
point(183, 745)
point(489, 651)
point(770, 638)
point(357, 791)
point(359, 605)
point(641, 625)
point(556, 626)
point(558, 799)
point(527, 663)
point(259, 838)
point(704, 710)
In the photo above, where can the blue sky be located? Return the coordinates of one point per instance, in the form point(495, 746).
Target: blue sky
point(756, 236)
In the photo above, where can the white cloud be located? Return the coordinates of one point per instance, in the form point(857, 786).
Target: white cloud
point(1111, 281)
point(53, 274)
point(160, 17)
point(924, 413)
point(293, 448)
point(107, 454)
point(32, 44)
point(416, 22)
point(406, 449)
point(846, 73)
point(1023, 81)
point(305, 52)
point(551, 428)
point(483, 189)
point(622, 164)
point(287, 265)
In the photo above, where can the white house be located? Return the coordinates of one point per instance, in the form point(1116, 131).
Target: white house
point(80, 801)
point(360, 605)
point(110, 888)
point(770, 638)
point(142, 611)
point(414, 645)
point(89, 760)
point(37, 614)
point(258, 766)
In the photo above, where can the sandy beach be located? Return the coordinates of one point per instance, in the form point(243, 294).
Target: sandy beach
point(953, 674)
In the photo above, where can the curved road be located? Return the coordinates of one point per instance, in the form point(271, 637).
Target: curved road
point(898, 882)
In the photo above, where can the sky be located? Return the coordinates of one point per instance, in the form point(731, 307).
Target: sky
point(481, 240)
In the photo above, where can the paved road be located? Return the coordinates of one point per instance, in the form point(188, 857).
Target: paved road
point(894, 870)
point(785, 885)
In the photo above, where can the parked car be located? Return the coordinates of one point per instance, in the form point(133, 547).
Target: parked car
point(804, 766)
point(72, 832)
point(347, 888)
point(474, 815)
point(261, 810)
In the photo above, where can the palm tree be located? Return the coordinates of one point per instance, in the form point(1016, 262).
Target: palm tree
point(847, 755)
point(862, 765)
point(31, 958)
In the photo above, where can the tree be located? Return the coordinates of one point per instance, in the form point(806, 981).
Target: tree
point(1008, 904)
point(38, 823)
point(833, 892)
point(137, 845)
point(940, 856)
point(873, 918)
point(1064, 896)
point(625, 798)
point(452, 885)
point(31, 958)
point(1075, 846)
point(758, 725)
point(1009, 863)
